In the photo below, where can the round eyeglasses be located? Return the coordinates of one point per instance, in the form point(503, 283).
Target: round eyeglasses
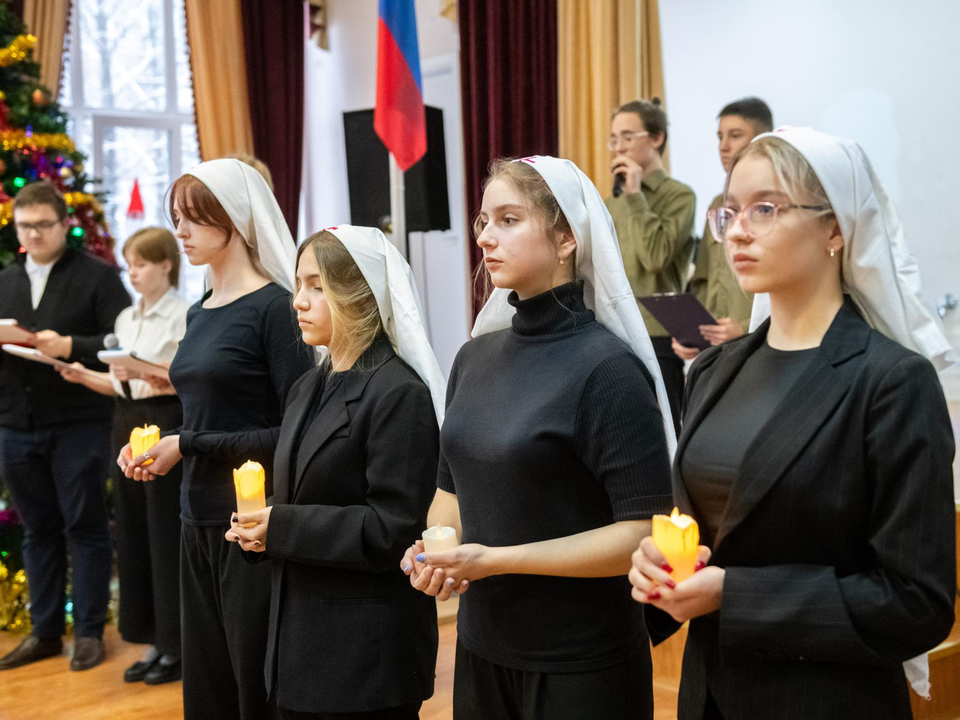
point(626, 140)
point(758, 219)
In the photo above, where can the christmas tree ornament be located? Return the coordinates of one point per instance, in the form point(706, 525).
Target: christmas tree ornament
point(41, 97)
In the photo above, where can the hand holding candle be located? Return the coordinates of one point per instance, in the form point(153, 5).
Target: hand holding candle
point(678, 538)
point(142, 439)
point(248, 481)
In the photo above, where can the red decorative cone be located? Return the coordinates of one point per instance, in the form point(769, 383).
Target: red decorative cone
point(135, 209)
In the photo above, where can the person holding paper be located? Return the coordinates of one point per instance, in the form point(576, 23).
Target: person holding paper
point(148, 514)
point(653, 216)
point(816, 455)
point(713, 282)
point(55, 436)
point(554, 457)
point(239, 358)
point(353, 477)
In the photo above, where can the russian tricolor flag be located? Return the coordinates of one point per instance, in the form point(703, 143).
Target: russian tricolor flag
point(399, 117)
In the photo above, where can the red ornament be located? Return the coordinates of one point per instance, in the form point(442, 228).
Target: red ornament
point(135, 209)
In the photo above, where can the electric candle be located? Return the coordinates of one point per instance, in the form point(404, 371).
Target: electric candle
point(438, 539)
point(142, 439)
point(248, 480)
point(678, 538)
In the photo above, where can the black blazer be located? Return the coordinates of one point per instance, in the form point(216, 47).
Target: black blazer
point(347, 632)
point(82, 298)
point(838, 538)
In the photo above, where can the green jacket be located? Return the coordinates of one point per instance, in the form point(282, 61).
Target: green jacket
point(655, 231)
point(714, 283)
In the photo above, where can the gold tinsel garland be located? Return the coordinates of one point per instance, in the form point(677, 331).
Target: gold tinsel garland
point(17, 50)
point(18, 140)
point(15, 603)
point(14, 597)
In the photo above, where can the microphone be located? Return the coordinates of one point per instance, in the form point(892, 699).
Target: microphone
point(112, 342)
point(618, 183)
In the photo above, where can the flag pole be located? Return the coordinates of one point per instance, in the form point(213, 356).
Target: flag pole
point(398, 208)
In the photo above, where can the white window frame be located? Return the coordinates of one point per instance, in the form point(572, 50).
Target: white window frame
point(101, 118)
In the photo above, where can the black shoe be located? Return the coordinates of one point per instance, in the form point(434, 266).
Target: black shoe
point(163, 672)
point(88, 652)
point(139, 670)
point(31, 650)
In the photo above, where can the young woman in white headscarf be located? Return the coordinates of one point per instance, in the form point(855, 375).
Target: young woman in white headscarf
point(232, 372)
point(554, 456)
point(355, 462)
point(816, 455)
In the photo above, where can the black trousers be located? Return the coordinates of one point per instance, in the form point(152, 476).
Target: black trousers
point(57, 479)
point(404, 712)
point(485, 691)
point(224, 603)
point(671, 368)
point(148, 534)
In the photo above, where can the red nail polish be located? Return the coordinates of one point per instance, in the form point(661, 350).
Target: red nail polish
point(699, 566)
point(670, 584)
point(655, 595)
point(666, 568)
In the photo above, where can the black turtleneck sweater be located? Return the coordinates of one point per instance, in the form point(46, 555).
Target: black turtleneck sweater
point(552, 429)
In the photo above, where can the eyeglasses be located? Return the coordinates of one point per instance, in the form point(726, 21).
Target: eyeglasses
point(627, 140)
point(758, 219)
point(41, 227)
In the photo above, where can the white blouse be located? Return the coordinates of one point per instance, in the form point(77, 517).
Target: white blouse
point(153, 335)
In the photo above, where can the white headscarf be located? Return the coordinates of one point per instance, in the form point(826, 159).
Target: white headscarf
point(597, 260)
point(252, 207)
point(391, 280)
point(879, 272)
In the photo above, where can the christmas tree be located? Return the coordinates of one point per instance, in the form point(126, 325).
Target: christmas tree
point(34, 146)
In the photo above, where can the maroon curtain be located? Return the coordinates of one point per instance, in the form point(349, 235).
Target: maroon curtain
point(273, 35)
point(16, 7)
point(508, 85)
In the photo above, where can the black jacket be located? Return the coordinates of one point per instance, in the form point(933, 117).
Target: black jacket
point(838, 538)
point(82, 298)
point(347, 632)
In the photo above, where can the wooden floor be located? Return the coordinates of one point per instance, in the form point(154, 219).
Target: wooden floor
point(49, 690)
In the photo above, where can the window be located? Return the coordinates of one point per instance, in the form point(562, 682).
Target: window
point(127, 89)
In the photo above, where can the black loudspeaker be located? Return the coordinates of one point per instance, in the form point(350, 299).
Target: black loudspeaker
point(368, 175)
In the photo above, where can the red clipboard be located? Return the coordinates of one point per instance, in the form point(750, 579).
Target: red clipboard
point(682, 315)
point(12, 333)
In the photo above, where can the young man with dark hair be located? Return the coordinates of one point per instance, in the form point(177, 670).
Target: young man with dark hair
point(55, 436)
point(713, 281)
point(653, 215)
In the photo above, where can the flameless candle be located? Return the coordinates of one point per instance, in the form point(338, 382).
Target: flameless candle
point(248, 480)
point(677, 537)
point(438, 539)
point(142, 439)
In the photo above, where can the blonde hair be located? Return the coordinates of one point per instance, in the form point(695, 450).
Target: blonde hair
point(257, 164)
point(794, 174)
point(353, 306)
point(535, 195)
point(156, 244)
